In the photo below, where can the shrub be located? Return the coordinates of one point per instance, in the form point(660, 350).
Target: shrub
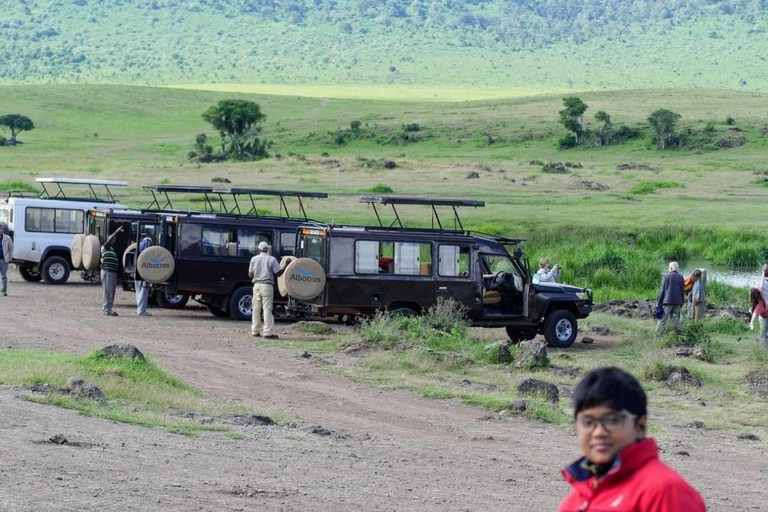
point(566, 141)
point(710, 128)
point(447, 315)
point(382, 329)
point(730, 121)
point(355, 125)
point(412, 127)
point(652, 187)
point(381, 188)
point(3, 140)
point(687, 335)
point(339, 139)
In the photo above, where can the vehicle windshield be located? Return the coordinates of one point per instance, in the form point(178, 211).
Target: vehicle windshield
point(497, 263)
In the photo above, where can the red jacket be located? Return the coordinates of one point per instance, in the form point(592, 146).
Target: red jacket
point(637, 482)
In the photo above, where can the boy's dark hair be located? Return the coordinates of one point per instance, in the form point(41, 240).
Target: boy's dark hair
point(613, 387)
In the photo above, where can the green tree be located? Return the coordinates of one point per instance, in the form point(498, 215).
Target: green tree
point(607, 129)
point(664, 123)
point(17, 124)
point(237, 120)
point(572, 117)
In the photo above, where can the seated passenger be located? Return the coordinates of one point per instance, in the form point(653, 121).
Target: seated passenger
point(545, 275)
point(384, 264)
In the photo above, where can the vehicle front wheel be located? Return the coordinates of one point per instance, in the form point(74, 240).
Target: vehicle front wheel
point(560, 329)
point(516, 335)
point(241, 303)
point(30, 275)
point(55, 270)
point(171, 301)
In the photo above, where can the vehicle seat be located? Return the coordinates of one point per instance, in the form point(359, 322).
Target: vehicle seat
point(491, 297)
point(518, 283)
point(232, 249)
point(425, 269)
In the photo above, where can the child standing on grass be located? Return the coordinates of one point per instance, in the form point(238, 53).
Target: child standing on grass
point(759, 310)
point(620, 470)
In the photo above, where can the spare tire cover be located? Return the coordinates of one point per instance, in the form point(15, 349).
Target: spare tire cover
point(91, 252)
point(126, 254)
point(155, 264)
point(287, 260)
point(76, 251)
point(304, 279)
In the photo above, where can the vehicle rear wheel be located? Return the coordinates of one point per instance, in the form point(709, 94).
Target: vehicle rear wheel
point(171, 301)
point(516, 335)
point(241, 303)
point(217, 311)
point(560, 329)
point(55, 270)
point(404, 312)
point(30, 275)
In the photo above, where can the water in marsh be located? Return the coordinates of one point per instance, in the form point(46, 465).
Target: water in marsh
point(743, 277)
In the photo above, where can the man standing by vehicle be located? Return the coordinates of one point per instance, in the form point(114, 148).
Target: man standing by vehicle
point(6, 257)
point(142, 287)
point(671, 296)
point(109, 268)
point(262, 271)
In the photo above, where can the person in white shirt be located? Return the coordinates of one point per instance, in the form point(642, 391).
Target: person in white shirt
point(263, 269)
point(546, 275)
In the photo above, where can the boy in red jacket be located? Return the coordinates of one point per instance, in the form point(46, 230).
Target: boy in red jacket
point(620, 470)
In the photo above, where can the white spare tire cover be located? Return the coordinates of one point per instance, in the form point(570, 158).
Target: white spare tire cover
point(304, 279)
point(76, 251)
point(287, 260)
point(91, 252)
point(155, 264)
point(130, 249)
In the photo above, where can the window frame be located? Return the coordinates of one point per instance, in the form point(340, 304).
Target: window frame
point(394, 243)
point(55, 211)
point(469, 259)
point(232, 231)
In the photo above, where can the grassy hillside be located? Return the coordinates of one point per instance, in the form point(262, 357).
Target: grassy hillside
point(523, 46)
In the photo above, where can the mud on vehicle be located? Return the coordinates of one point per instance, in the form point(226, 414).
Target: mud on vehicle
point(205, 255)
point(363, 269)
point(47, 228)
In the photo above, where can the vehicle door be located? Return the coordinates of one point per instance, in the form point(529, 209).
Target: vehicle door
point(455, 278)
point(507, 300)
point(313, 244)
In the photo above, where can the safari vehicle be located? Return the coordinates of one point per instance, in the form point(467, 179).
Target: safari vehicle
point(364, 269)
point(44, 225)
point(206, 254)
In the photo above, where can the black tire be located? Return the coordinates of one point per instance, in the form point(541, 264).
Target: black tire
point(30, 275)
point(55, 270)
point(404, 312)
point(560, 329)
point(240, 303)
point(516, 334)
point(169, 301)
point(217, 311)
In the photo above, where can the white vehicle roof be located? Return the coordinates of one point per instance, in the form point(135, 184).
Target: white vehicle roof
point(76, 181)
point(77, 204)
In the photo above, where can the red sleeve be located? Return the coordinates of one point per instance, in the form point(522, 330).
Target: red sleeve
point(673, 497)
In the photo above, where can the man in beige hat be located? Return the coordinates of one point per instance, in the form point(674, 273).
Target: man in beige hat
point(263, 269)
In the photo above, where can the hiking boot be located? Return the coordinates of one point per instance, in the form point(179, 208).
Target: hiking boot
point(110, 313)
point(3, 293)
point(271, 337)
point(144, 314)
point(256, 335)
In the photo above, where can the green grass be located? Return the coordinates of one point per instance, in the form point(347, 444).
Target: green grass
point(17, 185)
point(138, 391)
point(652, 187)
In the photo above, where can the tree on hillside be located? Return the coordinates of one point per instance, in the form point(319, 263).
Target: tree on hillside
point(664, 123)
point(237, 121)
point(605, 131)
point(17, 124)
point(572, 117)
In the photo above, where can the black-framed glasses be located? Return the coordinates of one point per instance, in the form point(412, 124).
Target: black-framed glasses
point(610, 422)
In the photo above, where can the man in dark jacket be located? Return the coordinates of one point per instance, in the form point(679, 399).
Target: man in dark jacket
point(671, 296)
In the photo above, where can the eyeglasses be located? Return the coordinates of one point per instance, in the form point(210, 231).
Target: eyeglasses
point(610, 422)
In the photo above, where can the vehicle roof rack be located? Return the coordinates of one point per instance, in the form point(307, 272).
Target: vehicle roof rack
point(216, 195)
point(58, 191)
point(408, 200)
point(501, 239)
point(19, 193)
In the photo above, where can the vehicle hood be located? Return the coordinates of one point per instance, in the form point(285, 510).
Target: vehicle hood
point(557, 288)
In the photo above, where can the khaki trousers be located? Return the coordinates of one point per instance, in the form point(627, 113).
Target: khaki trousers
point(262, 300)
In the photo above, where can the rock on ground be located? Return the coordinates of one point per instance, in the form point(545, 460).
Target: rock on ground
point(122, 350)
point(540, 387)
point(79, 387)
point(532, 354)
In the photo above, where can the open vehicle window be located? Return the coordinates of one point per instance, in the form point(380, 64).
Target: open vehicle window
point(454, 261)
point(287, 244)
point(232, 243)
point(399, 258)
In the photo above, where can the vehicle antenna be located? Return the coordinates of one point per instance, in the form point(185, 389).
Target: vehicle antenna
point(335, 194)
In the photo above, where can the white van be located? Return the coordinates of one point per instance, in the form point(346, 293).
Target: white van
point(42, 227)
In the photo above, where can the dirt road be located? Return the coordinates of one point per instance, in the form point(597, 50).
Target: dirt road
point(389, 450)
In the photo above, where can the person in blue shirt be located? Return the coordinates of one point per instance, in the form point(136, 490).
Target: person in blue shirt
point(142, 287)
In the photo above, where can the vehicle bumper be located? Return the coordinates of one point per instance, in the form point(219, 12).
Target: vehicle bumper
point(584, 311)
